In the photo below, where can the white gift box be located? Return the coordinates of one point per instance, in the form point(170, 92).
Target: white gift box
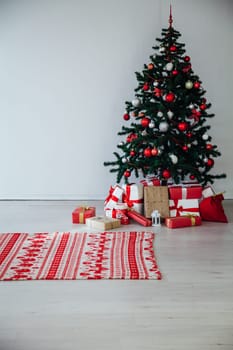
point(184, 207)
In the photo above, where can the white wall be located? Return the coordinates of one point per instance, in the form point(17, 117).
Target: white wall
point(66, 69)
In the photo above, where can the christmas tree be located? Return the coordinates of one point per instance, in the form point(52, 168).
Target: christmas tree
point(168, 135)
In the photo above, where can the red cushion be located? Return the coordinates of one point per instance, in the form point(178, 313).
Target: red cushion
point(211, 209)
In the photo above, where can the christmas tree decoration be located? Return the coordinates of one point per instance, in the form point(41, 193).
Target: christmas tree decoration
point(170, 97)
point(145, 122)
point(136, 102)
point(189, 84)
point(168, 136)
point(163, 126)
point(126, 116)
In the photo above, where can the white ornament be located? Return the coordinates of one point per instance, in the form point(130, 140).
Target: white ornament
point(121, 143)
point(124, 160)
point(136, 102)
point(161, 49)
point(189, 84)
point(191, 106)
point(151, 125)
point(189, 145)
point(174, 158)
point(152, 100)
point(144, 133)
point(169, 66)
point(205, 160)
point(163, 126)
point(205, 137)
point(160, 114)
point(170, 114)
point(155, 83)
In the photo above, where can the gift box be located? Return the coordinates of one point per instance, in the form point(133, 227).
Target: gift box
point(103, 223)
point(115, 195)
point(190, 191)
point(119, 212)
point(80, 214)
point(184, 207)
point(183, 221)
point(142, 220)
point(156, 198)
point(150, 181)
point(133, 196)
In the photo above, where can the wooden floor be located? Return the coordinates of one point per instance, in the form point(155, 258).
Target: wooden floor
point(191, 308)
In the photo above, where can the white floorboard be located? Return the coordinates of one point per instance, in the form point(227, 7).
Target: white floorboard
point(190, 308)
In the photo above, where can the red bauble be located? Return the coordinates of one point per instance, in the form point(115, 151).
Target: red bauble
point(186, 58)
point(132, 153)
point(196, 85)
point(126, 116)
point(158, 92)
point(185, 148)
point(173, 48)
point(147, 152)
point(127, 173)
point(187, 68)
point(210, 162)
point(203, 106)
point(150, 66)
point(198, 114)
point(170, 97)
point(189, 134)
point(154, 152)
point(175, 72)
point(182, 126)
point(166, 174)
point(145, 122)
point(145, 87)
point(209, 146)
point(192, 177)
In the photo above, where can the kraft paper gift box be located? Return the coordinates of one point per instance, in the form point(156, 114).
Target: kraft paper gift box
point(156, 198)
point(103, 223)
point(183, 207)
point(80, 214)
point(185, 191)
point(183, 221)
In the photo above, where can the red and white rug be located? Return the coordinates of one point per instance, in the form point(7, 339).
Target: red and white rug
point(71, 256)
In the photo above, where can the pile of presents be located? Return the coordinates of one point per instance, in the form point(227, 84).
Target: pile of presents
point(149, 203)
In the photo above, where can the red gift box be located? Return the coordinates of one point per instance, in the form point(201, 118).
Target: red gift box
point(142, 220)
point(185, 191)
point(80, 214)
point(183, 221)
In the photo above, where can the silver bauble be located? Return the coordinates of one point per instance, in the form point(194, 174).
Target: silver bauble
point(136, 102)
point(163, 126)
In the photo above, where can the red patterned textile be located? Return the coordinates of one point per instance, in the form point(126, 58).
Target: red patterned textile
point(71, 256)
